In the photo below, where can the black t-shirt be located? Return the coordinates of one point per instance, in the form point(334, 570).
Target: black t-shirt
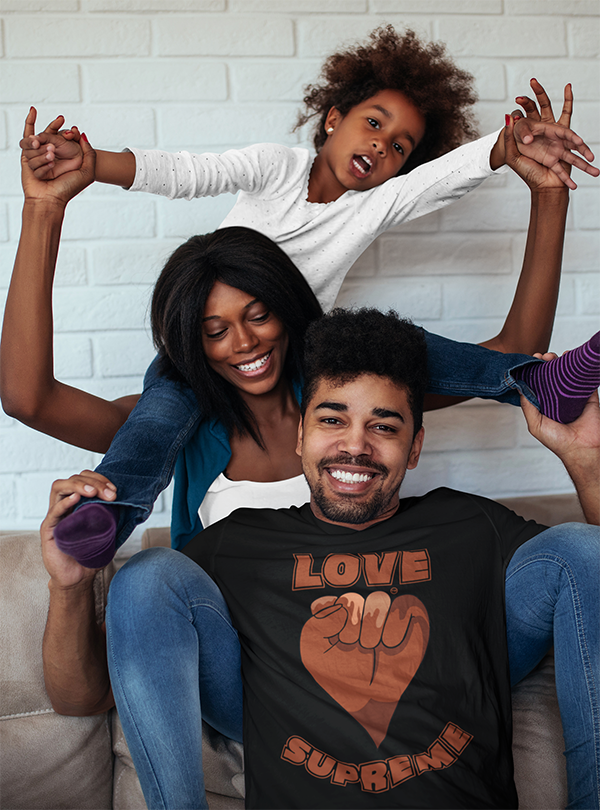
point(374, 662)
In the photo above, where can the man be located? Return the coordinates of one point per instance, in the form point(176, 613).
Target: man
point(373, 636)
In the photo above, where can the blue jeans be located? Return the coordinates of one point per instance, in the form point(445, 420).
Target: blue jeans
point(553, 596)
point(174, 658)
point(141, 458)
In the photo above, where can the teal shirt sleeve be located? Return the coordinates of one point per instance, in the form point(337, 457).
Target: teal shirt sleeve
point(200, 462)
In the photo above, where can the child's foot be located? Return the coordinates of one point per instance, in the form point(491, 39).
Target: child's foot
point(564, 385)
point(89, 535)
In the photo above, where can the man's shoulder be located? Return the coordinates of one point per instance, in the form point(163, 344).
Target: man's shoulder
point(444, 505)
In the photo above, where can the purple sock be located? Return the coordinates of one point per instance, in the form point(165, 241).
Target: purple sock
point(89, 535)
point(564, 385)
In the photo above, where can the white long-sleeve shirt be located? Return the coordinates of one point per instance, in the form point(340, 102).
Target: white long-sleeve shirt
point(323, 239)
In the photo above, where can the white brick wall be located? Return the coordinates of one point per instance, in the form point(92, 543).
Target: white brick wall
point(207, 74)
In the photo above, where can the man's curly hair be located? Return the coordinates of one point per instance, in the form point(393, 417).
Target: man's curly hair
point(421, 70)
point(346, 343)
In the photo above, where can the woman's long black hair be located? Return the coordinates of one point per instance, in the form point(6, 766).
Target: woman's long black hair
point(249, 261)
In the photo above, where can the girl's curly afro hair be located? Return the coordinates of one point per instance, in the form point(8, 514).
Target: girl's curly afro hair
point(421, 70)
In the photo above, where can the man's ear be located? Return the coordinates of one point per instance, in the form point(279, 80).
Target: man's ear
point(300, 434)
point(415, 450)
point(334, 116)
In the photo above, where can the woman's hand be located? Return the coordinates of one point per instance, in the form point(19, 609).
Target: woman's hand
point(545, 145)
point(64, 495)
point(54, 151)
point(64, 187)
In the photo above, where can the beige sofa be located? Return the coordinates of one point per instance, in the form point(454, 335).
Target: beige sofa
point(48, 761)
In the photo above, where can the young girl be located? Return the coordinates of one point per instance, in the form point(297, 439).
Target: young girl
point(383, 109)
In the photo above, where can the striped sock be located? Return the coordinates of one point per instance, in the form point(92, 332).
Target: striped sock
point(88, 535)
point(565, 384)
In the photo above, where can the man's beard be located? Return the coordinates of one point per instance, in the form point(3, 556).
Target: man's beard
point(348, 508)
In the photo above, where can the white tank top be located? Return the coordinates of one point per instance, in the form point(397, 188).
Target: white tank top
point(224, 496)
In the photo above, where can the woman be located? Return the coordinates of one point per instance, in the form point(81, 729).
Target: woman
point(260, 444)
point(40, 403)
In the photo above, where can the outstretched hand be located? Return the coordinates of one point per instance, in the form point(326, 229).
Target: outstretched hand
point(54, 151)
point(62, 188)
point(547, 147)
point(64, 495)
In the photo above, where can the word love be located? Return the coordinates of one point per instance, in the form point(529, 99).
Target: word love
point(380, 775)
point(377, 569)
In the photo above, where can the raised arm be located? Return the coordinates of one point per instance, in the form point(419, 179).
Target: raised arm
point(529, 323)
point(74, 646)
point(28, 389)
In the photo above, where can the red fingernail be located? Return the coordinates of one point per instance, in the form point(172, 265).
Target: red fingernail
point(507, 120)
point(84, 136)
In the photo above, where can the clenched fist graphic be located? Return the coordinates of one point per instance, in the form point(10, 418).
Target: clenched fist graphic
point(365, 652)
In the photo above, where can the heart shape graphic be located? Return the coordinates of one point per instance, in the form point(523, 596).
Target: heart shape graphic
point(365, 652)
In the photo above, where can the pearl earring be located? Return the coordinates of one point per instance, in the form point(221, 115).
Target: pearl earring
point(330, 129)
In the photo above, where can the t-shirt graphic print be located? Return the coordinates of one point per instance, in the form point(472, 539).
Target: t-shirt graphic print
point(374, 662)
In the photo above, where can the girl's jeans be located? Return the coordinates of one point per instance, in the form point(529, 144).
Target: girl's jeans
point(142, 456)
point(174, 658)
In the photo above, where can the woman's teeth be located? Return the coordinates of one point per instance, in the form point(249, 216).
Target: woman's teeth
point(350, 478)
point(255, 365)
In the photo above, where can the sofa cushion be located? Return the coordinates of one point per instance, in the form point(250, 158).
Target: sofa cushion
point(46, 760)
point(51, 762)
point(549, 510)
point(540, 767)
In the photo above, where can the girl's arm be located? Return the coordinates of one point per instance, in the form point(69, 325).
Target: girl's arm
point(55, 152)
point(28, 389)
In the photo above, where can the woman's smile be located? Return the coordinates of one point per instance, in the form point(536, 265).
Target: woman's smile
point(254, 367)
point(243, 341)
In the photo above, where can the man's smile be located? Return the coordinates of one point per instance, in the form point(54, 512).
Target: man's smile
point(350, 478)
point(352, 475)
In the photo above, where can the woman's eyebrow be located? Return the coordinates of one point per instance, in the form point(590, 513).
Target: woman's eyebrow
point(216, 317)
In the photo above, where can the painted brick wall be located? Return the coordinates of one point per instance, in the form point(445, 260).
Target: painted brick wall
point(208, 74)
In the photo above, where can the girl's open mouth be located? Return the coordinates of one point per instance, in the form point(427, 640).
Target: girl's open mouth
point(361, 166)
